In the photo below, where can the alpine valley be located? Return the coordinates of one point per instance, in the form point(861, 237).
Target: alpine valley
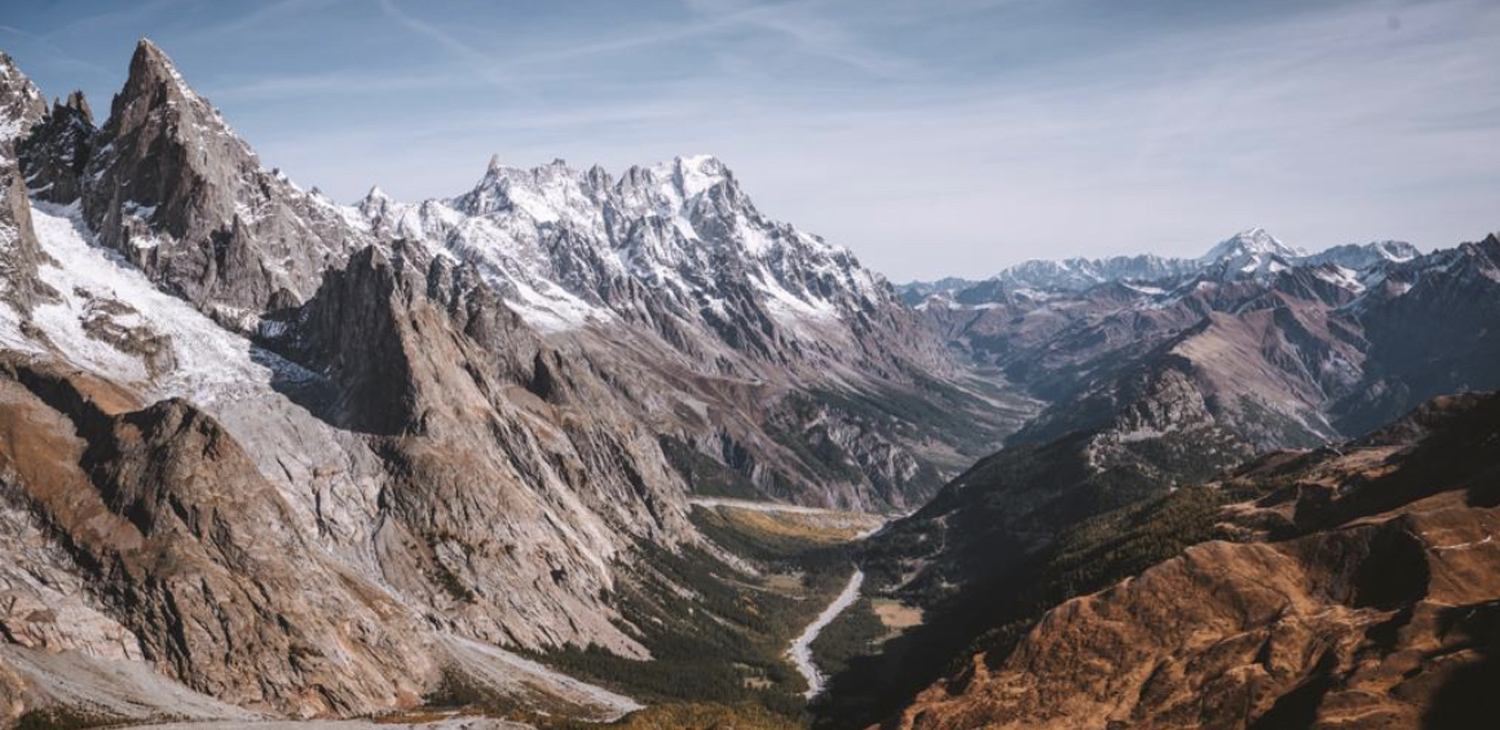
point(575, 448)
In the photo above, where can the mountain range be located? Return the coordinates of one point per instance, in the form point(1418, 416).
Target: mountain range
point(570, 443)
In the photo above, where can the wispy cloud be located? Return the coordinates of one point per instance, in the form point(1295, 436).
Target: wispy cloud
point(331, 84)
point(481, 64)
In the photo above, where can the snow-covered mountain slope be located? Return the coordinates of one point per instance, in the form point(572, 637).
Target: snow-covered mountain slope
point(111, 320)
point(677, 248)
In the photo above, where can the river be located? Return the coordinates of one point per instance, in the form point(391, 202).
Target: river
point(801, 651)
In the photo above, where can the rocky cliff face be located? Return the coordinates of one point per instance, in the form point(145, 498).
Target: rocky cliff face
point(21, 108)
point(157, 539)
point(168, 184)
point(510, 465)
point(181, 540)
point(56, 150)
point(1356, 590)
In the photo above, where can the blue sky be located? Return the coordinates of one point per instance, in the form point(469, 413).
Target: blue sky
point(932, 138)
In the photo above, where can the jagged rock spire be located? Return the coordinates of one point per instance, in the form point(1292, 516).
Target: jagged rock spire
point(21, 105)
point(78, 103)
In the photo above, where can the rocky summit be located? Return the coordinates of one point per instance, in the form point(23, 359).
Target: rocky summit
point(575, 448)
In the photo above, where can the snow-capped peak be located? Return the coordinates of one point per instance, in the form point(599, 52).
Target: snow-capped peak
point(1395, 251)
point(154, 61)
point(375, 203)
point(548, 193)
point(694, 174)
point(1253, 241)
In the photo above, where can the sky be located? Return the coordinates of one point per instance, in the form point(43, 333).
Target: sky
point(933, 138)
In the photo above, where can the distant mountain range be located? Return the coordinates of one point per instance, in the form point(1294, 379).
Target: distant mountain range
point(1249, 253)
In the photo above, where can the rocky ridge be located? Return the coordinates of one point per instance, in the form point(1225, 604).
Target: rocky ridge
point(168, 184)
point(1358, 588)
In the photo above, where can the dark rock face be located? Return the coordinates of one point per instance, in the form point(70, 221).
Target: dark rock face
point(349, 330)
point(56, 151)
point(367, 327)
